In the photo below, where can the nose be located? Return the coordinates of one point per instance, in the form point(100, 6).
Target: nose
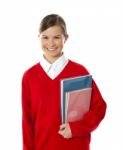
point(51, 42)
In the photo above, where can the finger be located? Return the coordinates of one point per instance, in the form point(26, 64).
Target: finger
point(61, 132)
point(62, 127)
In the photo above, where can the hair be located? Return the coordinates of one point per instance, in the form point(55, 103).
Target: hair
point(52, 20)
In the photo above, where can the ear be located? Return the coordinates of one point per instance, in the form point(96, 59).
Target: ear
point(66, 37)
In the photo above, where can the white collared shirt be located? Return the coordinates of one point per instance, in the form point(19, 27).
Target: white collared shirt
point(53, 70)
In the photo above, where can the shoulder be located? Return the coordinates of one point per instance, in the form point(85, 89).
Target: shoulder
point(79, 67)
point(30, 71)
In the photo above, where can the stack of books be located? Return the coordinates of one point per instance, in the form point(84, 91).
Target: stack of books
point(75, 97)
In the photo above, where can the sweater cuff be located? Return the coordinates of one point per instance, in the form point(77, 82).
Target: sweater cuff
point(77, 129)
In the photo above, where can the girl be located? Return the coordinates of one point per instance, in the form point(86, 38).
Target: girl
point(41, 118)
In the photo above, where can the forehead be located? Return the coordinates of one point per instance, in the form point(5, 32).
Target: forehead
point(55, 30)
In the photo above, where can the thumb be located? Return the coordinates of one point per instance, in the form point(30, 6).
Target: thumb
point(62, 127)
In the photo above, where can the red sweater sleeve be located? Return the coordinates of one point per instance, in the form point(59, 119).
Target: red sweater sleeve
point(27, 126)
point(91, 119)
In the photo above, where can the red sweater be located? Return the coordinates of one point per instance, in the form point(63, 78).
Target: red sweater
point(41, 116)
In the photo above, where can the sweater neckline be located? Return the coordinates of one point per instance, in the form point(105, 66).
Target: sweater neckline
point(40, 68)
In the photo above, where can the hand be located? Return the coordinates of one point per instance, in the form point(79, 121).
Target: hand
point(65, 131)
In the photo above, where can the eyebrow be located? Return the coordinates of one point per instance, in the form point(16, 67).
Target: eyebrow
point(43, 35)
point(53, 35)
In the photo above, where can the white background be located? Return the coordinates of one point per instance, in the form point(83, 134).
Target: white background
point(95, 31)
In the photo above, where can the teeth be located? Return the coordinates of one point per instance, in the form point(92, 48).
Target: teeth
point(51, 49)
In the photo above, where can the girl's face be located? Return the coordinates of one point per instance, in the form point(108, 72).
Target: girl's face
point(52, 42)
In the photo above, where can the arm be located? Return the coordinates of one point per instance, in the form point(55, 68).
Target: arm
point(27, 126)
point(92, 119)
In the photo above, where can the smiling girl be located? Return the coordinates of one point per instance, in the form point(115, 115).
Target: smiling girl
point(41, 118)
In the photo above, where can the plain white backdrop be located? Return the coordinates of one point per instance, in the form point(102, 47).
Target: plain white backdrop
point(95, 31)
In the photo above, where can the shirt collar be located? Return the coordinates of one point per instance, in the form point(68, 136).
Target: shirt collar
point(56, 65)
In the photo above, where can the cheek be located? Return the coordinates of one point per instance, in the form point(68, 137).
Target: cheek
point(43, 44)
point(61, 43)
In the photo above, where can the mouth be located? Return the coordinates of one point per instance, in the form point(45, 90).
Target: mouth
point(52, 49)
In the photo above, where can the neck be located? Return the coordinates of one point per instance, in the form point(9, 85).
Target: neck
point(50, 59)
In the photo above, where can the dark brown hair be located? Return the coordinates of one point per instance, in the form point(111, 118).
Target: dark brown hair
point(52, 20)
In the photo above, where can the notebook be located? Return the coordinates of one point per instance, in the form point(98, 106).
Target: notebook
point(70, 85)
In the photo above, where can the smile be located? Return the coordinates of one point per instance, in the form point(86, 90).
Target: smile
point(51, 49)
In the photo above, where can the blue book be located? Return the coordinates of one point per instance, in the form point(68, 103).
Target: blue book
point(73, 84)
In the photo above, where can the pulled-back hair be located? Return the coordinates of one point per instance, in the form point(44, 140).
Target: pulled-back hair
point(52, 20)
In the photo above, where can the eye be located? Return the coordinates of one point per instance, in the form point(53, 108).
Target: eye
point(57, 37)
point(45, 37)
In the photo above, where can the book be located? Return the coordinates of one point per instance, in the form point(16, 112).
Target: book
point(72, 84)
point(77, 104)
